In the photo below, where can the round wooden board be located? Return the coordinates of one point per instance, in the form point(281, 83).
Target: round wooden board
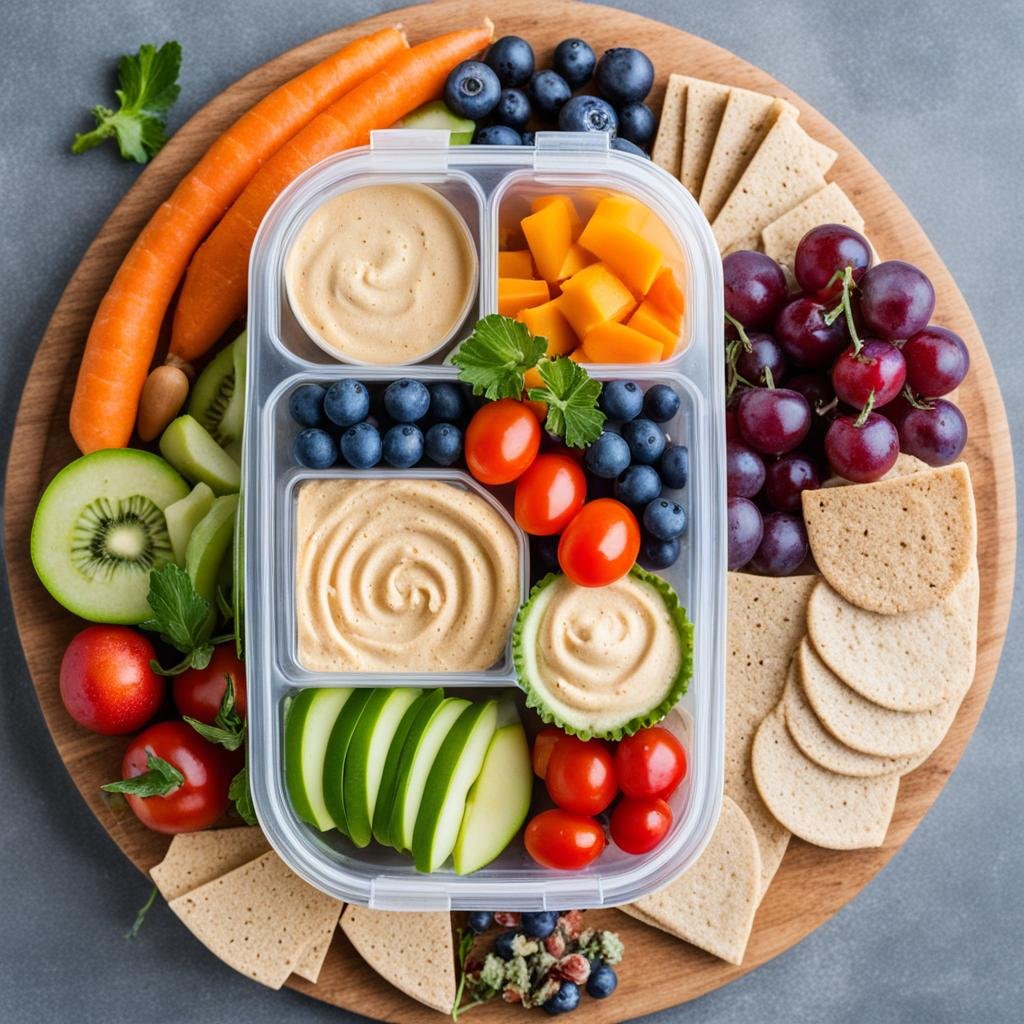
point(812, 884)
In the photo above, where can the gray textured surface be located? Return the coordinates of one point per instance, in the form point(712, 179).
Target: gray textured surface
point(933, 93)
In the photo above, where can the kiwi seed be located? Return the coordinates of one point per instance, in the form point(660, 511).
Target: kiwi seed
point(119, 537)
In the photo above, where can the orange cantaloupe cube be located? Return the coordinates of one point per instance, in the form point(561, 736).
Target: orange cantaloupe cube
point(549, 235)
point(620, 209)
point(516, 293)
point(650, 320)
point(570, 208)
point(666, 294)
point(576, 259)
point(579, 356)
point(546, 321)
point(515, 263)
point(633, 259)
point(593, 296)
point(616, 343)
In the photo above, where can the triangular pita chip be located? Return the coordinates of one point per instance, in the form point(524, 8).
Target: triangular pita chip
point(705, 104)
point(312, 959)
point(195, 858)
point(668, 146)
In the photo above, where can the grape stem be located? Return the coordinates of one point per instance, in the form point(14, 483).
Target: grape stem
point(866, 411)
point(769, 378)
point(824, 410)
point(744, 340)
point(845, 306)
point(735, 378)
point(914, 401)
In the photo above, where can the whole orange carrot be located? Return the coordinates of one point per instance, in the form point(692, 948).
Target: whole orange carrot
point(124, 333)
point(214, 293)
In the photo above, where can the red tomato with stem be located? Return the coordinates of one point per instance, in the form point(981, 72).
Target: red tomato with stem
point(106, 681)
point(564, 840)
point(581, 775)
point(600, 544)
point(549, 494)
point(638, 824)
point(187, 778)
point(199, 692)
point(542, 747)
point(651, 762)
point(502, 440)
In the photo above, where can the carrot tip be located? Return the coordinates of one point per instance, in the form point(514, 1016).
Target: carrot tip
point(400, 29)
point(489, 25)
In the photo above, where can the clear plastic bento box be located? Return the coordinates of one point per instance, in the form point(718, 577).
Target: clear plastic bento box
point(489, 186)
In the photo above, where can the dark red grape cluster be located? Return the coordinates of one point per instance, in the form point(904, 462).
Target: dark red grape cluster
point(838, 378)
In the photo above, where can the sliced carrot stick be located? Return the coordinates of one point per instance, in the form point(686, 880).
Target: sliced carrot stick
point(214, 292)
point(124, 333)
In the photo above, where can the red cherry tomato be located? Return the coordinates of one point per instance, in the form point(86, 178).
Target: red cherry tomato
point(601, 543)
point(639, 824)
point(581, 775)
point(564, 840)
point(106, 682)
point(651, 762)
point(542, 747)
point(549, 494)
point(199, 692)
point(201, 799)
point(502, 440)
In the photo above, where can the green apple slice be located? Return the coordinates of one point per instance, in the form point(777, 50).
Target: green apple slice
point(334, 758)
point(183, 517)
point(455, 769)
point(499, 801)
point(190, 449)
point(307, 728)
point(367, 753)
point(417, 759)
point(436, 114)
point(208, 544)
point(422, 708)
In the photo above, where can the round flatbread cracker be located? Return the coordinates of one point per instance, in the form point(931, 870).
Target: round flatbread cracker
point(865, 726)
point(835, 811)
point(818, 744)
point(909, 662)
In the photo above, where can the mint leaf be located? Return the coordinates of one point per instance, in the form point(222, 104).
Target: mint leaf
point(148, 90)
point(239, 792)
point(571, 395)
point(228, 729)
point(160, 778)
point(181, 616)
point(495, 356)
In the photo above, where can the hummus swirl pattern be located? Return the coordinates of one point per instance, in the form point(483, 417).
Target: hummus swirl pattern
point(402, 575)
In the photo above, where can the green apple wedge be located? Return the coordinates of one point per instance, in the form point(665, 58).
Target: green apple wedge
point(422, 708)
point(367, 753)
point(499, 800)
point(453, 772)
point(307, 727)
point(190, 449)
point(417, 759)
point(208, 544)
point(337, 750)
point(183, 517)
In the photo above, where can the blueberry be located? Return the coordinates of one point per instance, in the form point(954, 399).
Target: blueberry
point(361, 446)
point(565, 999)
point(406, 401)
point(664, 519)
point(544, 555)
point(637, 123)
point(306, 405)
point(446, 402)
point(403, 446)
point(539, 925)
point(588, 114)
point(621, 400)
point(638, 486)
point(511, 59)
point(347, 402)
point(645, 439)
point(472, 90)
point(602, 981)
point(315, 449)
point(658, 554)
point(548, 92)
point(625, 146)
point(661, 403)
point(674, 466)
point(497, 135)
point(513, 109)
point(529, 138)
point(503, 944)
point(624, 75)
point(608, 456)
point(444, 444)
point(574, 60)
point(480, 921)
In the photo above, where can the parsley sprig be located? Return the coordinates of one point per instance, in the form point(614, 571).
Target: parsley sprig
point(571, 395)
point(160, 778)
point(240, 794)
point(228, 729)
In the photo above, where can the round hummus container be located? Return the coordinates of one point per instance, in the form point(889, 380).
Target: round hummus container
point(486, 186)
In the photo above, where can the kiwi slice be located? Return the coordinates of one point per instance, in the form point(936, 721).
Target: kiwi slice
point(218, 397)
point(100, 530)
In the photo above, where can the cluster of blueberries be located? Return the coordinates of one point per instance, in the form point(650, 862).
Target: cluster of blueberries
point(503, 93)
point(340, 425)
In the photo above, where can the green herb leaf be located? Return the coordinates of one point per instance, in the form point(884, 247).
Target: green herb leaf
point(239, 793)
point(228, 729)
point(495, 356)
point(160, 778)
point(181, 616)
point(148, 90)
point(140, 915)
point(571, 395)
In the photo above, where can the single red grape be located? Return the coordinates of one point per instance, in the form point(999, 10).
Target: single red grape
point(937, 361)
point(787, 478)
point(732, 432)
point(773, 420)
point(744, 470)
point(805, 338)
point(862, 454)
point(824, 250)
point(895, 300)
point(745, 530)
point(755, 287)
point(936, 435)
point(817, 389)
point(783, 545)
point(765, 353)
point(878, 369)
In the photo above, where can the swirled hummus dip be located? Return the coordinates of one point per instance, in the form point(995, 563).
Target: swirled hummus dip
point(401, 575)
point(382, 274)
